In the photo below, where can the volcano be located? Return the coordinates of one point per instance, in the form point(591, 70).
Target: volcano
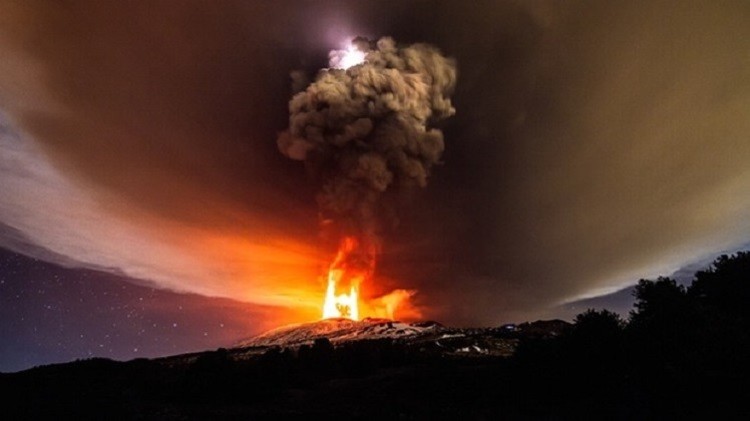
point(424, 337)
point(338, 330)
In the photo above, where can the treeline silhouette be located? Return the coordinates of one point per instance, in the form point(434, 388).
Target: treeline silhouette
point(681, 353)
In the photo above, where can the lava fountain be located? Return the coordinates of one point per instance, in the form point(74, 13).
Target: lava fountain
point(349, 269)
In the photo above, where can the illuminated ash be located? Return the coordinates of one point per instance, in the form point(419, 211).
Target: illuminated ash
point(364, 126)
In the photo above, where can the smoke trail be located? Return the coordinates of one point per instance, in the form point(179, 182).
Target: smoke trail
point(365, 129)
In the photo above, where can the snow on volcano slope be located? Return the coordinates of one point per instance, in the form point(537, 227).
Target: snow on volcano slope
point(340, 330)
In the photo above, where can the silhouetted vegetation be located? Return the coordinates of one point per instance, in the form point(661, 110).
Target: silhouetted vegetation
point(682, 352)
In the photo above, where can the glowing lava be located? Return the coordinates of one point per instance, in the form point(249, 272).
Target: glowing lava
point(344, 59)
point(340, 305)
point(346, 273)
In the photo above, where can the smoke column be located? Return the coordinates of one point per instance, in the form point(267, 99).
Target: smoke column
point(365, 129)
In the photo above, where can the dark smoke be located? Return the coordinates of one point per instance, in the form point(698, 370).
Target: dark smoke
point(365, 129)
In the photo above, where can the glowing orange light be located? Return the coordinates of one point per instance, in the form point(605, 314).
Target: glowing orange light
point(343, 275)
point(340, 305)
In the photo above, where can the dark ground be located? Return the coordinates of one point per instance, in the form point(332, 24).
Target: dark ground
point(369, 380)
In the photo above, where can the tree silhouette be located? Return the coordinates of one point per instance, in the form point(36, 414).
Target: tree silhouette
point(596, 343)
point(598, 335)
point(657, 301)
point(596, 322)
point(725, 286)
point(662, 327)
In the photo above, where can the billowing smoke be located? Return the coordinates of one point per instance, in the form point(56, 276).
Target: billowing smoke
point(365, 129)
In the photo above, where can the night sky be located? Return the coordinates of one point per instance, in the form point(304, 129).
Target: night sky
point(145, 208)
point(53, 314)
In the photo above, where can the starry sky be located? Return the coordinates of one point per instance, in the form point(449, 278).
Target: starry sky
point(51, 314)
point(144, 202)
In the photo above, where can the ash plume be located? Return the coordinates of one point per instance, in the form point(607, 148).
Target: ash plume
point(366, 129)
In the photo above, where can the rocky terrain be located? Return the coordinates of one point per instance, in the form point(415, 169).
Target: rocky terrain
point(426, 337)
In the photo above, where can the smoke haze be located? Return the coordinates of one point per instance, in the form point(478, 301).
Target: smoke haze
point(594, 143)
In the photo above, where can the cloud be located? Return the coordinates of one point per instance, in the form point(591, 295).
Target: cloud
point(48, 216)
point(594, 144)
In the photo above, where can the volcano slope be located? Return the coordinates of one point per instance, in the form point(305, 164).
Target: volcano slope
point(337, 367)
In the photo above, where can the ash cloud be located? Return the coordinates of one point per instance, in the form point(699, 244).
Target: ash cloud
point(367, 128)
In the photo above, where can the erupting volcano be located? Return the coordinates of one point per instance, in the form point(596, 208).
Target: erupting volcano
point(362, 128)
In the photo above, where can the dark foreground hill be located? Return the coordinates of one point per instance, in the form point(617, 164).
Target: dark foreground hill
point(378, 369)
point(369, 369)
